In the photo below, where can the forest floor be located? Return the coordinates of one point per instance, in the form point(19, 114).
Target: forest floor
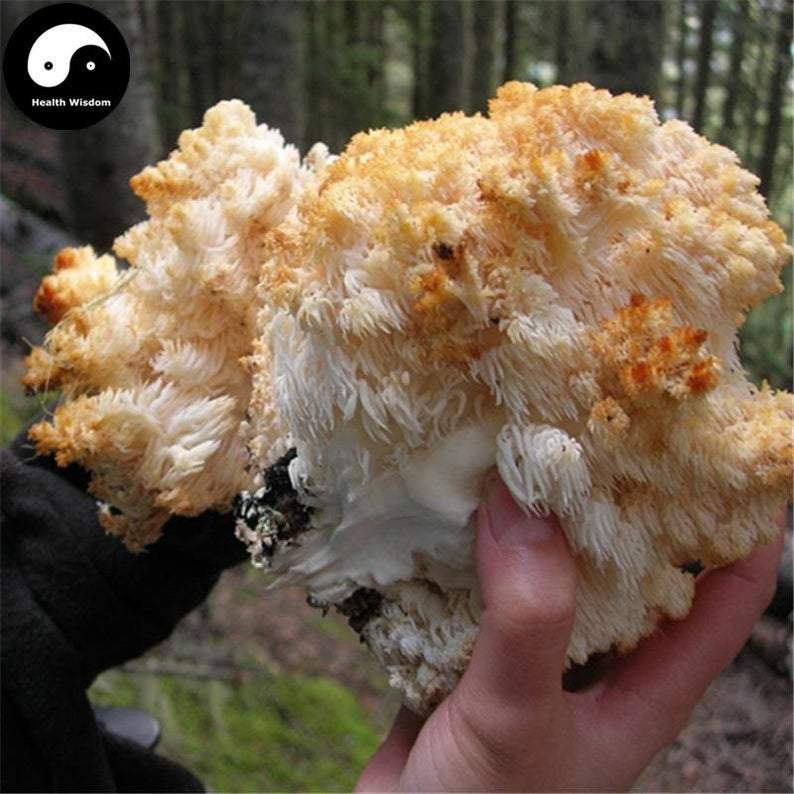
point(256, 691)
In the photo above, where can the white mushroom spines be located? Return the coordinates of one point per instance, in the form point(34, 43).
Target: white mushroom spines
point(553, 291)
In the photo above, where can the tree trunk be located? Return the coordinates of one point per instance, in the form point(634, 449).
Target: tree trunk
point(708, 13)
point(624, 45)
point(680, 59)
point(216, 58)
point(482, 87)
point(562, 42)
point(172, 78)
point(314, 81)
point(419, 54)
point(272, 66)
point(751, 124)
point(734, 83)
point(354, 54)
point(234, 26)
point(198, 29)
point(447, 56)
point(99, 160)
point(775, 98)
point(511, 40)
point(375, 62)
point(150, 25)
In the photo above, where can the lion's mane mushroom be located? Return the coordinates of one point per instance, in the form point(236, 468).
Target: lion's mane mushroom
point(553, 290)
point(148, 358)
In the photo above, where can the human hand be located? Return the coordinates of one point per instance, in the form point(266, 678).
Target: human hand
point(510, 726)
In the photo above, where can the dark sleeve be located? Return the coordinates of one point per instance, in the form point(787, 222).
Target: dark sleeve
point(110, 605)
point(75, 602)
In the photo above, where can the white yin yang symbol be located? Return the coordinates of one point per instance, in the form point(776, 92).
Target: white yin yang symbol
point(51, 53)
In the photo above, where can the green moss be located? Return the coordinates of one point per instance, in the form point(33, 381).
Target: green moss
point(17, 409)
point(11, 419)
point(334, 629)
point(268, 733)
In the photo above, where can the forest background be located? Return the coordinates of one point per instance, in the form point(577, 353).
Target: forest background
point(323, 70)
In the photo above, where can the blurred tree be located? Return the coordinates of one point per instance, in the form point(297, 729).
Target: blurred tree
point(447, 56)
point(750, 115)
point(149, 16)
point(511, 40)
point(567, 46)
point(734, 84)
point(170, 69)
point(623, 45)
point(708, 13)
point(345, 81)
point(316, 75)
point(98, 161)
point(420, 37)
point(200, 30)
point(562, 42)
point(272, 65)
point(482, 75)
point(347, 77)
point(779, 78)
point(373, 14)
point(360, 87)
point(680, 58)
point(228, 49)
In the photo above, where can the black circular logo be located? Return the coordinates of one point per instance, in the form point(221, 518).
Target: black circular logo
point(66, 66)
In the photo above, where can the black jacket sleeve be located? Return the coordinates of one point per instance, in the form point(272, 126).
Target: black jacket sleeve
point(74, 603)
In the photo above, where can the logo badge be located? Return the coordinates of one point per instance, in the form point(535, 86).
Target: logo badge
point(66, 66)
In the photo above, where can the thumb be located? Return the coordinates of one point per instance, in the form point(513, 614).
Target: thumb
point(528, 585)
point(502, 721)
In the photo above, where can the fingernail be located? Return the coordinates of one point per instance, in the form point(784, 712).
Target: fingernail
point(508, 523)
